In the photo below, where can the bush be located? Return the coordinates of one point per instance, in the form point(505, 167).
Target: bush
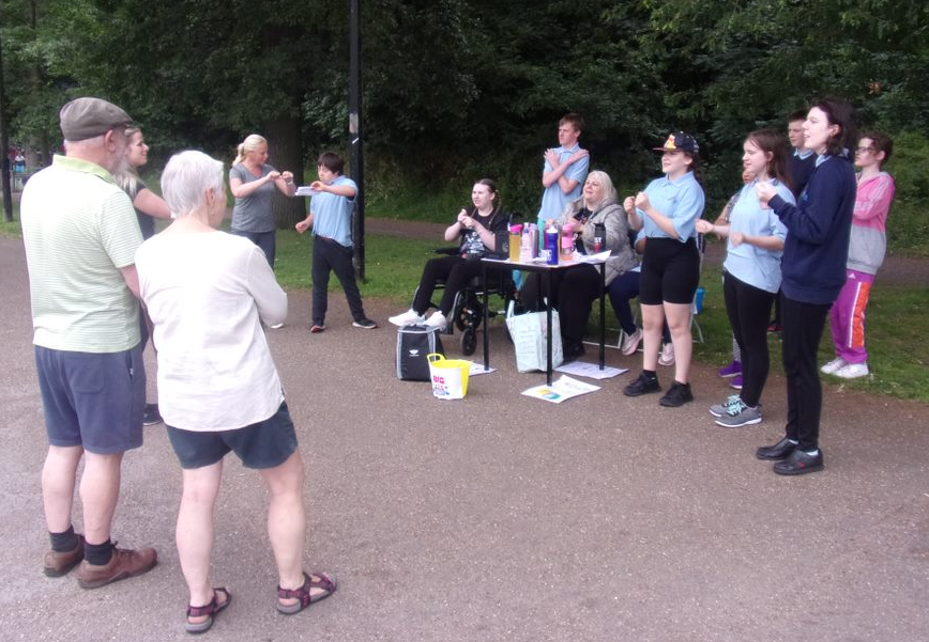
point(908, 225)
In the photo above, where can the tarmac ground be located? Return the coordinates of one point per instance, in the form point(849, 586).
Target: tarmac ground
point(499, 517)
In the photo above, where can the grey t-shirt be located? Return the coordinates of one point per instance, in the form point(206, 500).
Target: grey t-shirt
point(253, 213)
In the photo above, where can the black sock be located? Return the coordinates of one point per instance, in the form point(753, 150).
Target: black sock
point(98, 554)
point(650, 374)
point(63, 542)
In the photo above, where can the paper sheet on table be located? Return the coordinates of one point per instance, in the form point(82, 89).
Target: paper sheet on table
point(590, 258)
point(561, 390)
point(590, 370)
point(478, 369)
point(306, 190)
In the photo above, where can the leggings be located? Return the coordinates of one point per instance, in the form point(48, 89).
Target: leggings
point(749, 310)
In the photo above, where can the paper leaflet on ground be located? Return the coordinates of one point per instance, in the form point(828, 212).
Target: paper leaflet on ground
point(306, 190)
point(478, 369)
point(590, 370)
point(561, 390)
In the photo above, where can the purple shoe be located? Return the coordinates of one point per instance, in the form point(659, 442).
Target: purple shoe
point(736, 383)
point(733, 369)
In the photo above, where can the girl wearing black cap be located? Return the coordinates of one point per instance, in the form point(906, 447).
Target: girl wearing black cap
point(668, 209)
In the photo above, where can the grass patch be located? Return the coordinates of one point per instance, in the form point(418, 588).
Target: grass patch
point(899, 358)
point(393, 265)
point(11, 229)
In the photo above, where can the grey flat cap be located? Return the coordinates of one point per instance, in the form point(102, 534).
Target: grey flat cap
point(84, 118)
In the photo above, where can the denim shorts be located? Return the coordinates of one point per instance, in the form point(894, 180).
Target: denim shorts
point(266, 444)
point(92, 400)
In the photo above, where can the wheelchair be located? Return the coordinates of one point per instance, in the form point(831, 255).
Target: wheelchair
point(468, 308)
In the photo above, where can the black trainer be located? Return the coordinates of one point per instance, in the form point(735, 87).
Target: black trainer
point(678, 394)
point(642, 386)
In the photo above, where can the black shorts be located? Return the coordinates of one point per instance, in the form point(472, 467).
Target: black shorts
point(670, 271)
point(266, 444)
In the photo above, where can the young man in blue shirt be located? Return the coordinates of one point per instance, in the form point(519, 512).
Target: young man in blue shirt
point(565, 169)
point(331, 219)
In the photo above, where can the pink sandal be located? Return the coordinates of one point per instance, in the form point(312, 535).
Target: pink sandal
point(212, 609)
point(322, 581)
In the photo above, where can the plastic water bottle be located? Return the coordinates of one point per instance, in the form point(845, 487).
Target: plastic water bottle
point(516, 236)
point(551, 243)
point(567, 242)
point(525, 245)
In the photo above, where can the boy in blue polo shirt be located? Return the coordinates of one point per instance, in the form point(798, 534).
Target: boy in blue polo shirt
point(565, 169)
point(331, 219)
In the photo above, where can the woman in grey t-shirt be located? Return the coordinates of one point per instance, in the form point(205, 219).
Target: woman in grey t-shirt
point(252, 182)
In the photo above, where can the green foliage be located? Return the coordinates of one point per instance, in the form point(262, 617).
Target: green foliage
point(459, 89)
point(908, 224)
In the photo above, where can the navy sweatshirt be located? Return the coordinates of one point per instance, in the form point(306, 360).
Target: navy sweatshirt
point(818, 229)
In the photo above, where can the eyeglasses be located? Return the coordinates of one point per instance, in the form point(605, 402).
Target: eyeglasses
point(864, 150)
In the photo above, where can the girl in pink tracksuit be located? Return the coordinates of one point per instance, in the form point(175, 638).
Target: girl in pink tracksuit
point(866, 251)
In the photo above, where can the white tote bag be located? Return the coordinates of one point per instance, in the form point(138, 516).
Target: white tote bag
point(529, 332)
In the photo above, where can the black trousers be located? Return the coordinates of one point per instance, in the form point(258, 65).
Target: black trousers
point(456, 271)
point(267, 241)
point(579, 288)
point(535, 290)
point(803, 329)
point(329, 255)
point(749, 310)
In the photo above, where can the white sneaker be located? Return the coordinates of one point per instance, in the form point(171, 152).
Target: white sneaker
point(437, 320)
point(631, 342)
point(666, 358)
point(407, 318)
point(277, 326)
point(853, 371)
point(834, 366)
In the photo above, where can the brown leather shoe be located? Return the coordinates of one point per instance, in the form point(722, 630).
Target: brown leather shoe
point(58, 563)
point(124, 563)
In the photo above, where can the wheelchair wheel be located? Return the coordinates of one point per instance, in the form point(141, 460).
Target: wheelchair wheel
point(470, 311)
point(468, 341)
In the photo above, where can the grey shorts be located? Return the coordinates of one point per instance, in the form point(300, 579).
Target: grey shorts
point(266, 444)
point(92, 400)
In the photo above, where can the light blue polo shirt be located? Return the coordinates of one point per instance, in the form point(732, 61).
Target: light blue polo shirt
point(332, 214)
point(682, 201)
point(553, 199)
point(750, 264)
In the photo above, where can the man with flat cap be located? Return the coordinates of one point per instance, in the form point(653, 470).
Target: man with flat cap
point(81, 236)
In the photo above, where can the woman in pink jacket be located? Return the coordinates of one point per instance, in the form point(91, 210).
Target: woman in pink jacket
point(866, 251)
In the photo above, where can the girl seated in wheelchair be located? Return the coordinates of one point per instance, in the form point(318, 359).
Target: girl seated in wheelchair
point(478, 227)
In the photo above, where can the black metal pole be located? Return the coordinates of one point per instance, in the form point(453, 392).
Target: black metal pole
point(355, 134)
point(4, 149)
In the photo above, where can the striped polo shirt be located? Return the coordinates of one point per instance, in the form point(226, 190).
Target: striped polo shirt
point(79, 229)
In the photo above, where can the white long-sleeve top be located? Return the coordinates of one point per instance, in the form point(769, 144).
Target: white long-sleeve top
point(207, 294)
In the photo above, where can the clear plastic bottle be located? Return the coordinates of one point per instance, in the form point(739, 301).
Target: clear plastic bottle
point(567, 242)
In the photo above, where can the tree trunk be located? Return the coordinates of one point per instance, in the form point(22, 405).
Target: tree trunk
point(4, 149)
point(285, 151)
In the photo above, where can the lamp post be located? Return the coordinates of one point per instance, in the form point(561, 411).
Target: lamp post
point(355, 134)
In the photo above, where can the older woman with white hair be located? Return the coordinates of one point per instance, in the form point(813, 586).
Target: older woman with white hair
point(600, 224)
point(207, 293)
